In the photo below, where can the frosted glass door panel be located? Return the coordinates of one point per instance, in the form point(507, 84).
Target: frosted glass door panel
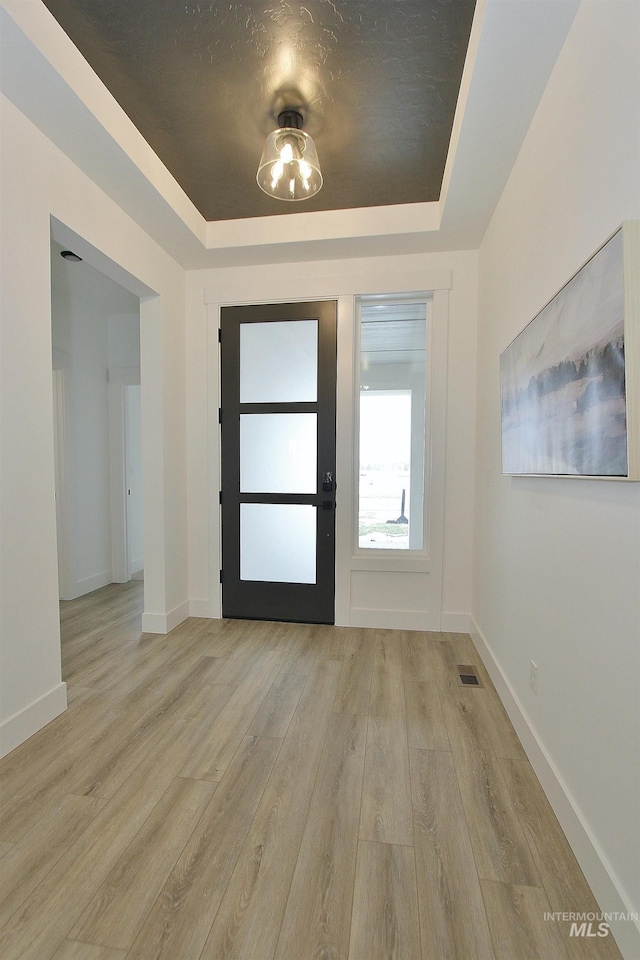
point(279, 362)
point(278, 542)
point(278, 452)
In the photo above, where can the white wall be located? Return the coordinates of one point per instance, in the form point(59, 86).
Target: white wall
point(87, 447)
point(124, 345)
point(89, 346)
point(39, 182)
point(557, 562)
point(449, 605)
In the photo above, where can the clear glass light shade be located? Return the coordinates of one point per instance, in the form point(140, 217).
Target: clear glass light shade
point(289, 167)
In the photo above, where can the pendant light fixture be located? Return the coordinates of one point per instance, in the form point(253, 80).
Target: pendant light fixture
point(289, 167)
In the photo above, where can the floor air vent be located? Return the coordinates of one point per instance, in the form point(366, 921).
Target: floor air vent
point(468, 675)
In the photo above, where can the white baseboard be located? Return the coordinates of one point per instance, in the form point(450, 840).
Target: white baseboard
point(165, 622)
point(80, 587)
point(595, 866)
point(455, 623)
point(22, 725)
point(203, 607)
point(361, 617)
point(392, 619)
point(154, 622)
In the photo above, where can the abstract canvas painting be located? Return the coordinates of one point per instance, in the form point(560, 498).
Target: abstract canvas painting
point(563, 383)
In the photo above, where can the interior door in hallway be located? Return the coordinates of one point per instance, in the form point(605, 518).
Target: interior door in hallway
point(278, 417)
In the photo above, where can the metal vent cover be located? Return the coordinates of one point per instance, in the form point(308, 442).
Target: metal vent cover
point(468, 675)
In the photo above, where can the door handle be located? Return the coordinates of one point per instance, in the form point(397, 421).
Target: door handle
point(327, 482)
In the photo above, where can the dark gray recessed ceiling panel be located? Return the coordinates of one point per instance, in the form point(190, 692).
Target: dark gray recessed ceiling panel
point(376, 80)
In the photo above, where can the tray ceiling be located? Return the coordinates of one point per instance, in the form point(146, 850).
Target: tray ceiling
point(377, 82)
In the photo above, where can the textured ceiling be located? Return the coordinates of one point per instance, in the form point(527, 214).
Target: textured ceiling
point(376, 80)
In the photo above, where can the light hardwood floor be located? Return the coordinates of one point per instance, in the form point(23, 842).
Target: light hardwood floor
point(269, 791)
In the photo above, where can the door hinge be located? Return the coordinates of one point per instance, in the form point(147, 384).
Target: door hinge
point(220, 415)
point(219, 334)
point(221, 498)
point(221, 577)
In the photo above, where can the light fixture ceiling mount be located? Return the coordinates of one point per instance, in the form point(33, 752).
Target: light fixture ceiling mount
point(289, 168)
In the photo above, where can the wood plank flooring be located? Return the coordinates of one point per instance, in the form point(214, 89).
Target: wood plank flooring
point(269, 791)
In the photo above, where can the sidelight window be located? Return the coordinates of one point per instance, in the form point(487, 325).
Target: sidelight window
point(392, 420)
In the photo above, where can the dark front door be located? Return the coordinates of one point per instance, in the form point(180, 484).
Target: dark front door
point(278, 461)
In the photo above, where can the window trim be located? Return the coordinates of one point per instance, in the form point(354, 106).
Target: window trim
point(376, 558)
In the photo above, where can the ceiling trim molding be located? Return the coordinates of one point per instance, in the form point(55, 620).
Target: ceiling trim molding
point(463, 95)
point(390, 220)
point(311, 285)
point(31, 31)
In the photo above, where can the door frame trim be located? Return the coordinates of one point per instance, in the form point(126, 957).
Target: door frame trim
point(297, 601)
point(262, 287)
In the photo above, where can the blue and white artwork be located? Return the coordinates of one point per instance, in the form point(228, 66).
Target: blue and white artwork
point(563, 379)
